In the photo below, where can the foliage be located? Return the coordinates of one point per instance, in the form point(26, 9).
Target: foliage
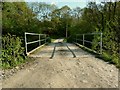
point(12, 52)
point(17, 18)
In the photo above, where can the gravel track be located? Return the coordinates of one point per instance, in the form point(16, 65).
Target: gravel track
point(64, 71)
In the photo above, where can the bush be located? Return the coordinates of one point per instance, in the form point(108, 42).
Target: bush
point(12, 52)
point(115, 59)
point(106, 57)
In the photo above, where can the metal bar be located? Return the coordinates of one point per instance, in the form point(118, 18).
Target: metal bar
point(32, 42)
point(39, 40)
point(87, 41)
point(35, 41)
point(92, 33)
point(101, 44)
point(42, 34)
point(89, 33)
point(34, 33)
point(83, 38)
point(25, 44)
point(42, 40)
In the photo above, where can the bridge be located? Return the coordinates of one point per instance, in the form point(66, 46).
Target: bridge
point(60, 64)
point(58, 47)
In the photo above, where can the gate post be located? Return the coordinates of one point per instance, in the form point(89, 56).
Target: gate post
point(25, 43)
point(39, 40)
point(101, 43)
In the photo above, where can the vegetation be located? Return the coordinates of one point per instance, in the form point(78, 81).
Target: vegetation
point(20, 17)
point(12, 52)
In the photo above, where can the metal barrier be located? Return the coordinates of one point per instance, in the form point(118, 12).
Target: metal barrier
point(83, 39)
point(39, 36)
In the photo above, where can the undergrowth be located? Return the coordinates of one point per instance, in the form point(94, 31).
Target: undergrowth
point(12, 52)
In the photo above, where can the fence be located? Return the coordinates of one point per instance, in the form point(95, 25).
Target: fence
point(35, 41)
point(87, 41)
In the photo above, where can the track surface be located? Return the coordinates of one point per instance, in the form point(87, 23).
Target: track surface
point(64, 71)
point(60, 49)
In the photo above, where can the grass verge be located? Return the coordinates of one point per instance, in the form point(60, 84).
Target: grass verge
point(104, 56)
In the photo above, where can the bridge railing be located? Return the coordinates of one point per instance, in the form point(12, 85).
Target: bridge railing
point(83, 40)
point(35, 41)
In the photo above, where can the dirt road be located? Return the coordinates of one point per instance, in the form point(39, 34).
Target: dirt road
point(64, 71)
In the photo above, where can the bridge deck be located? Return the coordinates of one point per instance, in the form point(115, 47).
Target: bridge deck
point(61, 50)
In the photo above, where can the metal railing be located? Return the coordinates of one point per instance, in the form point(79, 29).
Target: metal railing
point(40, 39)
point(83, 39)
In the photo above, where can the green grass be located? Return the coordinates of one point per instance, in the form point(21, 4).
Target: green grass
point(110, 59)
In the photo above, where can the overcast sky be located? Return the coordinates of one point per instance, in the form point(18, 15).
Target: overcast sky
point(70, 3)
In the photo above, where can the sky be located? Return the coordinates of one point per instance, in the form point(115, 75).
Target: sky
point(70, 3)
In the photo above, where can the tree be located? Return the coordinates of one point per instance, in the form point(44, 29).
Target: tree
point(61, 20)
point(17, 18)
